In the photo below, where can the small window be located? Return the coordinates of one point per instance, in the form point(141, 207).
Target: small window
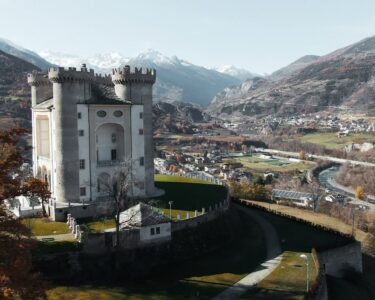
point(82, 191)
point(113, 154)
point(152, 231)
point(141, 115)
point(101, 113)
point(157, 230)
point(140, 131)
point(118, 113)
point(113, 137)
point(79, 115)
point(98, 186)
point(81, 132)
point(82, 164)
point(142, 161)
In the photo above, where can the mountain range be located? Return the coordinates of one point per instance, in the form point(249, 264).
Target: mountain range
point(15, 96)
point(177, 79)
point(341, 80)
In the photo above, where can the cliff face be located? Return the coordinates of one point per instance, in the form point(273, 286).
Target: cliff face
point(342, 79)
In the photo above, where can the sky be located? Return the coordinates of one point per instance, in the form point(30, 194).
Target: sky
point(258, 35)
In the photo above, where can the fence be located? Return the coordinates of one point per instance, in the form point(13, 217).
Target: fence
point(74, 227)
point(196, 175)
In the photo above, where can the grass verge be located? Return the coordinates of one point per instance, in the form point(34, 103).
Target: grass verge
point(44, 226)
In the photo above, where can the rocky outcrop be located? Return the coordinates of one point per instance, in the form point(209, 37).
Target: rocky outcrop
point(342, 79)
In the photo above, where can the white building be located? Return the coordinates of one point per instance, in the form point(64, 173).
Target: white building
point(84, 128)
point(152, 224)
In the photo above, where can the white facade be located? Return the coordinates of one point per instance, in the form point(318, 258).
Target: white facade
point(155, 232)
point(104, 141)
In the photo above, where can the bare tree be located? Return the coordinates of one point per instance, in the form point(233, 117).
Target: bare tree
point(120, 193)
point(119, 190)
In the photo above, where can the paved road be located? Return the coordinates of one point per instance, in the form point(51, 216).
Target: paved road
point(266, 268)
point(321, 157)
point(325, 178)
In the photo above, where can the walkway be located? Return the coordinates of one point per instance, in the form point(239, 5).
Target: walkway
point(56, 237)
point(266, 268)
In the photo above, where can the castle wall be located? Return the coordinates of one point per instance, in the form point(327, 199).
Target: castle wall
point(136, 86)
point(84, 150)
point(41, 88)
point(66, 96)
point(142, 94)
point(342, 261)
point(95, 123)
point(138, 150)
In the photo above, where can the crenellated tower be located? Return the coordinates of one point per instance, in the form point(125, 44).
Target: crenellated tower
point(135, 86)
point(70, 87)
point(85, 126)
point(41, 87)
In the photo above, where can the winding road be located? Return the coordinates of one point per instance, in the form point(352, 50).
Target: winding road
point(272, 261)
point(325, 179)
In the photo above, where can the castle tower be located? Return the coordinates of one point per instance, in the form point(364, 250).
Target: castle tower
point(70, 87)
point(136, 87)
point(41, 87)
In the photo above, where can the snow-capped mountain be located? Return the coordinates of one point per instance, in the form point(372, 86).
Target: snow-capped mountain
point(241, 74)
point(102, 63)
point(177, 79)
point(22, 53)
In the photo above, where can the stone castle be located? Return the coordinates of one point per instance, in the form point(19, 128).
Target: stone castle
point(84, 126)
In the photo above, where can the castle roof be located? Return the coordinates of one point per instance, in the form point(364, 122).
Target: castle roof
point(104, 94)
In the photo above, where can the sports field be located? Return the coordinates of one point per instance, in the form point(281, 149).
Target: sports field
point(260, 164)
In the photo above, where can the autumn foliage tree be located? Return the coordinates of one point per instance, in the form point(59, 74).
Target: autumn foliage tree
point(249, 190)
point(16, 278)
point(36, 188)
point(359, 192)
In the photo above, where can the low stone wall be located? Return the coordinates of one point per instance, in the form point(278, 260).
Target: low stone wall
point(187, 243)
point(318, 290)
point(200, 219)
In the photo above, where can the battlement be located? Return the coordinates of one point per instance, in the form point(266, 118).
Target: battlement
point(60, 74)
point(38, 79)
point(103, 79)
point(126, 75)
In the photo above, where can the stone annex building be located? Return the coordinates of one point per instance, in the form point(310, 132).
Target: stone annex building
point(84, 126)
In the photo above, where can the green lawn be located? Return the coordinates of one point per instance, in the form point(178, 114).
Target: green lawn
point(182, 213)
point(172, 178)
point(203, 277)
point(101, 225)
point(287, 281)
point(331, 141)
point(271, 165)
point(187, 194)
point(44, 226)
